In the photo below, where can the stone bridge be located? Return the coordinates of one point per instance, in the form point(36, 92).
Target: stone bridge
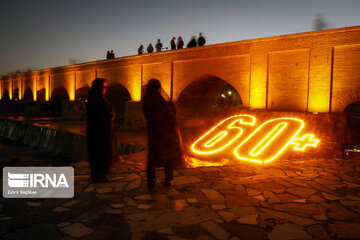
point(305, 72)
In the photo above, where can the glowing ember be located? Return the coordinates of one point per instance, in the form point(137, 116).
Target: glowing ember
point(263, 145)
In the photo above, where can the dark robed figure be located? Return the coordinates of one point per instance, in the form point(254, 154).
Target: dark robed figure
point(164, 141)
point(100, 138)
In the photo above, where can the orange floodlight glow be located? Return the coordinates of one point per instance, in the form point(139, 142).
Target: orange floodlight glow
point(304, 142)
point(204, 163)
point(263, 145)
point(226, 132)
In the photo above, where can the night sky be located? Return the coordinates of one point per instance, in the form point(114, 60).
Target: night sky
point(39, 34)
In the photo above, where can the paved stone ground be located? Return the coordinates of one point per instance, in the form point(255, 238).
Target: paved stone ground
point(312, 199)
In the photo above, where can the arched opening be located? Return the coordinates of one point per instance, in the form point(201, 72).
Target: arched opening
point(5, 96)
point(16, 94)
point(208, 96)
point(352, 126)
point(58, 96)
point(82, 93)
point(203, 103)
point(40, 95)
point(28, 95)
point(228, 97)
point(118, 95)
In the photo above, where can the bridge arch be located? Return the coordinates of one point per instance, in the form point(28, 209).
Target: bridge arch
point(16, 94)
point(58, 95)
point(352, 125)
point(347, 98)
point(82, 93)
point(208, 95)
point(118, 95)
point(5, 95)
point(41, 95)
point(28, 95)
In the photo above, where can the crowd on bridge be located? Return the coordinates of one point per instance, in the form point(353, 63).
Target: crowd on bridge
point(173, 45)
point(200, 41)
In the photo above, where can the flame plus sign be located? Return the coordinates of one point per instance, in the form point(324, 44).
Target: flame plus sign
point(306, 141)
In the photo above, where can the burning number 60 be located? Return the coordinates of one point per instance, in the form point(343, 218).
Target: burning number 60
point(260, 146)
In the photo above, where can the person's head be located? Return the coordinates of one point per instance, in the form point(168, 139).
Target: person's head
point(158, 40)
point(153, 85)
point(141, 46)
point(193, 37)
point(98, 87)
point(180, 38)
point(108, 51)
point(200, 34)
point(173, 38)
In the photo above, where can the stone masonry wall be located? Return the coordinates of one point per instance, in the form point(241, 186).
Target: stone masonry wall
point(305, 72)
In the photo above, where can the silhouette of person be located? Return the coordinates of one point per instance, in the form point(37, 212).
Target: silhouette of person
point(180, 43)
point(164, 141)
point(150, 48)
point(158, 46)
point(141, 50)
point(173, 44)
point(192, 42)
point(99, 131)
point(201, 40)
point(108, 55)
point(112, 54)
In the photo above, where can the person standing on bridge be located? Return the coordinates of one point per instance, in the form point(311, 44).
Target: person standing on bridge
point(201, 40)
point(164, 140)
point(173, 44)
point(158, 46)
point(192, 42)
point(141, 50)
point(99, 131)
point(150, 48)
point(112, 54)
point(180, 43)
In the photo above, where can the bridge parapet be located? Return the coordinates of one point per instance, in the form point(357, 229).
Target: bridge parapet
point(306, 72)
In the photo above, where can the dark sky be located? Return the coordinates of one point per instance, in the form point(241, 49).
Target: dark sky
point(39, 34)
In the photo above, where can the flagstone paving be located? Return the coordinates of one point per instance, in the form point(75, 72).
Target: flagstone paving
point(298, 199)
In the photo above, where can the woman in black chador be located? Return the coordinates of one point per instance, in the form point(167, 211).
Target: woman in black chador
point(164, 141)
point(100, 138)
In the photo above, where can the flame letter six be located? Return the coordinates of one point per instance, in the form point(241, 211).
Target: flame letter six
point(222, 135)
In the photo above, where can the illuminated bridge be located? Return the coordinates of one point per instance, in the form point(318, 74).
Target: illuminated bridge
point(307, 72)
point(315, 72)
